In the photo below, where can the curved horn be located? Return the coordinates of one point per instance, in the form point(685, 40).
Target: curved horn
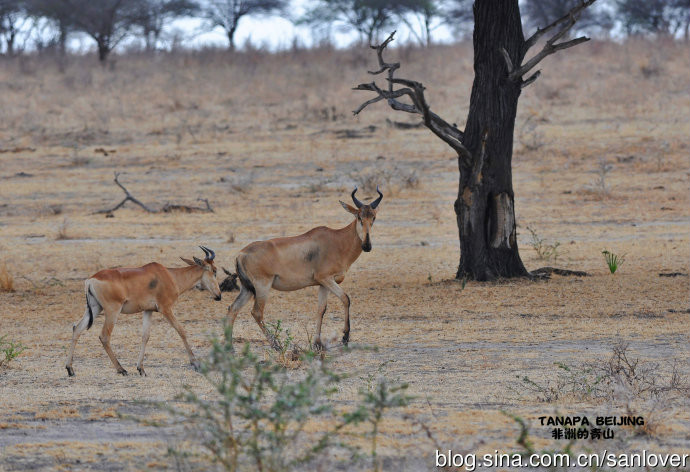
point(210, 255)
point(358, 204)
point(376, 202)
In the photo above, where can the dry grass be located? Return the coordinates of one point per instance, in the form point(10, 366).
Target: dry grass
point(274, 157)
point(6, 279)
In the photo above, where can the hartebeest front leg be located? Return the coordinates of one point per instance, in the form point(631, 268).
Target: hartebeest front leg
point(146, 331)
point(333, 286)
point(168, 314)
point(110, 319)
point(323, 300)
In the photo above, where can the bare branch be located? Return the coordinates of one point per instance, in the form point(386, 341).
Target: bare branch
point(414, 90)
point(128, 196)
point(532, 40)
point(530, 79)
point(168, 207)
point(567, 21)
point(506, 57)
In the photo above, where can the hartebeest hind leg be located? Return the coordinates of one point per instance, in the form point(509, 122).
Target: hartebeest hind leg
point(260, 298)
point(144, 339)
point(234, 309)
point(77, 329)
point(333, 286)
point(323, 300)
point(110, 319)
point(168, 314)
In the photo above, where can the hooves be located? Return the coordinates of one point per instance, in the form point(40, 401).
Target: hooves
point(141, 371)
point(346, 338)
point(196, 366)
point(70, 371)
point(122, 372)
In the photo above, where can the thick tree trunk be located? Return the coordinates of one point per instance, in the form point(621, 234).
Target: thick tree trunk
point(231, 38)
point(103, 50)
point(485, 206)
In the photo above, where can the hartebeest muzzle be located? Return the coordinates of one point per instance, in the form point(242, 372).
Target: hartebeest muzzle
point(366, 245)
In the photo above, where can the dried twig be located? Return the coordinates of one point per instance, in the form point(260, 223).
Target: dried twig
point(128, 197)
point(415, 91)
point(168, 207)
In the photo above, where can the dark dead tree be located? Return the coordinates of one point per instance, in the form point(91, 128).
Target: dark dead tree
point(167, 208)
point(484, 208)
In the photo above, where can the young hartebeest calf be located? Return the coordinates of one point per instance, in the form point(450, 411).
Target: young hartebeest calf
point(149, 288)
point(320, 256)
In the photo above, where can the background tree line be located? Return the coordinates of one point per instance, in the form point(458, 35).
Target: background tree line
point(48, 24)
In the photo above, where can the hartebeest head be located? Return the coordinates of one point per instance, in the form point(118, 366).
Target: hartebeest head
point(366, 215)
point(208, 278)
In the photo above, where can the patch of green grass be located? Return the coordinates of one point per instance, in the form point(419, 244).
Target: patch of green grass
point(9, 350)
point(613, 261)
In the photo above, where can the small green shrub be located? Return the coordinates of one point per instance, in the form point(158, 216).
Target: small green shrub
point(256, 415)
point(613, 261)
point(9, 350)
point(544, 251)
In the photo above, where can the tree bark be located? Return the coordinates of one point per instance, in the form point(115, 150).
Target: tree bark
point(103, 49)
point(231, 38)
point(485, 207)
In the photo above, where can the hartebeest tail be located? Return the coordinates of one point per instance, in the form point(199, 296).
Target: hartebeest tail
point(148, 288)
point(91, 304)
point(320, 256)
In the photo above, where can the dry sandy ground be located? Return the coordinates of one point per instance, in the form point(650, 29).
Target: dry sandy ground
point(265, 139)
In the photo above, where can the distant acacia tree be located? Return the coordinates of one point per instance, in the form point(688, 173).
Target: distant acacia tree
point(58, 14)
point(428, 17)
point(458, 15)
point(654, 16)
point(152, 16)
point(367, 17)
point(227, 14)
point(12, 17)
point(106, 21)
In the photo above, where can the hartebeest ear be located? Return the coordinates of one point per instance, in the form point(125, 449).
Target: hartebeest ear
point(198, 262)
point(349, 208)
point(187, 261)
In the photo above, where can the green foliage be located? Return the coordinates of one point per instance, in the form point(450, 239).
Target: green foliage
point(544, 251)
point(256, 415)
point(9, 350)
point(283, 339)
point(374, 402)
point(581, 382)
point(613, 261)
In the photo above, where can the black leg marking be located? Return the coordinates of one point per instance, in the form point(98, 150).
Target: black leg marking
point(70, 371)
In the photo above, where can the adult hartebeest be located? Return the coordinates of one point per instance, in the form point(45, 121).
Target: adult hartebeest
point(320, 256)
point(148, 288)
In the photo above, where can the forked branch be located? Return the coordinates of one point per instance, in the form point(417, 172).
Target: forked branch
point(168, 207)
point(414, 90)
point(566, 22)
